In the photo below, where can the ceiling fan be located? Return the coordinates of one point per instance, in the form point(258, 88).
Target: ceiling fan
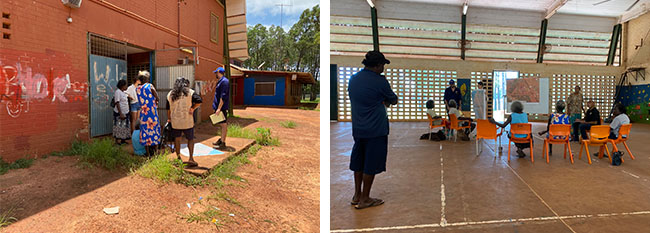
point(628, 9)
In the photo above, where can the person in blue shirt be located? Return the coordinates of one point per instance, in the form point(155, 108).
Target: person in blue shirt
point(138, 148)
point(220, 105)
point(518, 116)
point(452, 93)
point(370, 95)
point(556, 118)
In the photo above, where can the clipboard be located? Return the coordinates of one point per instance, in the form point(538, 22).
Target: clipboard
point(217, 118)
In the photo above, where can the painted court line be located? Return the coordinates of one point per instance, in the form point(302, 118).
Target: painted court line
point(443, 220)
point(487, 222)
point(539, 197)
point(626, 172)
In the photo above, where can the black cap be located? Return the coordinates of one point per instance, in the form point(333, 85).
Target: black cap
point(374, 58)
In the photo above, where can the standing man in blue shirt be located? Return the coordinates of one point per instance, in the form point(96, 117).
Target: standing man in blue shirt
point(370, 95)
point(220, 104)
point(452, 93)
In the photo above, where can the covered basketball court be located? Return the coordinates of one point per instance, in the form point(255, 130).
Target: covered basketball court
point(445, 186)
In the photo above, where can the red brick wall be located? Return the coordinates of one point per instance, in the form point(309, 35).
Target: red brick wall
point(44, 66)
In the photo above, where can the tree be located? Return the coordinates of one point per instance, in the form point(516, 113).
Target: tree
point(297, 50)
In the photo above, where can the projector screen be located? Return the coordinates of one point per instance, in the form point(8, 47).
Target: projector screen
point(532, 92)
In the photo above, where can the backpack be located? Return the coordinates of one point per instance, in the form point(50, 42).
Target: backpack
point(616, 158)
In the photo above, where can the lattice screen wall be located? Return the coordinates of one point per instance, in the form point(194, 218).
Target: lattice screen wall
point(600, 89)
point(413, 87)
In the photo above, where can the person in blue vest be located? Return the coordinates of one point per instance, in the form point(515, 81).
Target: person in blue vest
point(370, 95)
point(220, 105)
point(518, 116)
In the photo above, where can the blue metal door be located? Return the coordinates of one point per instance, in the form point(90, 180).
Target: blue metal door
point(104, 74)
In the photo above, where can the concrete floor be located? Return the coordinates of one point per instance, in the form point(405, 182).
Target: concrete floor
point(444, 186)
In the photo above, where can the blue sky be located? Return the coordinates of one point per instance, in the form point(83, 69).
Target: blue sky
point(267, 13)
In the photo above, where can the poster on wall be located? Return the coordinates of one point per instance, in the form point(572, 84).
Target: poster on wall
point(636, 98)
point(465, 91)
point(523, 89)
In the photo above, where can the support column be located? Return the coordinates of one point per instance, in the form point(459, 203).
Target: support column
point(613, 43)
point(226, 59)
point(375, 29)
point(542, 41)
point(463, 41)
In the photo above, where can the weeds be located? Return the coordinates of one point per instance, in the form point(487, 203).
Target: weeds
point(102, 153)
point(288, 124)
point(236, 131)
point(211, 215)
point(18, 164)
point(6, 219)
point(166, 170)
point(264, 137)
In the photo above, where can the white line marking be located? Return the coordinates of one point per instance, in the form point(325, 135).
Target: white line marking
point(517, 220)
point(539, 197)
point(626, 172)
point(443, 220)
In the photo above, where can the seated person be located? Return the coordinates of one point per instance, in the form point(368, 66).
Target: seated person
point(518, 116)
point(437, 120)
point(592, 117)
point(138, 148)
point(557, 118)
point(620, 118)
point(459, 115)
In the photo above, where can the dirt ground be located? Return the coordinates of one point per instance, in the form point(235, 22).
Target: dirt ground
point(280, 192)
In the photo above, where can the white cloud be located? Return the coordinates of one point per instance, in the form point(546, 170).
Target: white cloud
point(271, 6)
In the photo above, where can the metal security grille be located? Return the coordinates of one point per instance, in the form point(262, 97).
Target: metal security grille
point(132, 71)
point(107, 47)
point(413, 87)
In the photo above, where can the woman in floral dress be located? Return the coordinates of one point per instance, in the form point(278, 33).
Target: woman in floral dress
point(149, 124)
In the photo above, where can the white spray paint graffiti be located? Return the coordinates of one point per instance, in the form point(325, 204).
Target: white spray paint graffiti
point(105, 86)
point(61, 84)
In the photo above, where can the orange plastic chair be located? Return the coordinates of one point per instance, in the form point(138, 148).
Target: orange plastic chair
point(432, 126)
point(454, 126)
point(597, 137)
point(563, 132)
point(521, 128)
point(624, 130)
point(486, 130)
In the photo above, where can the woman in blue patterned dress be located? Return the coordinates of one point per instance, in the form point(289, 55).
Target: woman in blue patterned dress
point(557, 118)
point(149, 124)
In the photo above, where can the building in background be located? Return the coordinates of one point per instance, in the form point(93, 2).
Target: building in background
point(60, 61)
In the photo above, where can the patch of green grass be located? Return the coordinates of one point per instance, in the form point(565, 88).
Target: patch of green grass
point(18, 164)
point(6, 219)
point(102, 153)
point(264, 137)
point(163, 169)
point(289, 124)
point(224, 196)
point(236, 131)
point(317, 100)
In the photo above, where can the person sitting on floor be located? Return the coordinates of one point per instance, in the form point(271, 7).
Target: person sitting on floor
point(138, 148)
point(556, 118)
point(518, 116)
point(592, 117)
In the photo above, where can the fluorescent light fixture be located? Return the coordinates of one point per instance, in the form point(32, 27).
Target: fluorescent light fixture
point(371, 3)
point(465, 6)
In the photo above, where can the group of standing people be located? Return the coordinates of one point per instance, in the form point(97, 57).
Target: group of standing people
point(135, 115)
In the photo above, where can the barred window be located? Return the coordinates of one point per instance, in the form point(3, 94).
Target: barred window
point(214, 28)
point(264, 88)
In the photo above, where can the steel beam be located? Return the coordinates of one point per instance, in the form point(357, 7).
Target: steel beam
point(375, 29)
point(542, 41)
point(463, 31)
point(616, 33)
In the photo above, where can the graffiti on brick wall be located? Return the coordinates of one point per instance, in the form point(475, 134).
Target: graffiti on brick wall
point(20, 86)
point(209, 87)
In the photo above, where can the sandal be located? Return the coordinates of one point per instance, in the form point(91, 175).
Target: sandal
point(191, 164)
point(373, 203)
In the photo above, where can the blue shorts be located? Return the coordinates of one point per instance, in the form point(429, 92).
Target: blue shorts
point(369, 155)
point(134, 107)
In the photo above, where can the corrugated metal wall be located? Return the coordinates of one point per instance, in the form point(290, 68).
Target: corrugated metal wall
point(165, 78)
